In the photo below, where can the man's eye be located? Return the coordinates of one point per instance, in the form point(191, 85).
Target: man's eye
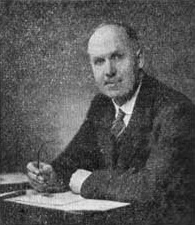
point(99, 61)
point(116, 56)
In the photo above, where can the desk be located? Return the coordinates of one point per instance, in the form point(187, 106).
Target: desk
point(13, 213)
point(18, 214)
point(13, 181)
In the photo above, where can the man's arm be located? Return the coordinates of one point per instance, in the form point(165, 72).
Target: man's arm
point(168, 168)
point(82, 151)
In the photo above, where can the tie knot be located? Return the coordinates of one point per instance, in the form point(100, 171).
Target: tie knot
point(120, 115)
point(118, 124)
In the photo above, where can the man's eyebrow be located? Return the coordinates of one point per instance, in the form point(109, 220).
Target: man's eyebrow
point(117, 51)
point(96, 57)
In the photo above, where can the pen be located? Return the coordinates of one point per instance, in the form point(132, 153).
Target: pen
point(38, 155)
point(12, 194)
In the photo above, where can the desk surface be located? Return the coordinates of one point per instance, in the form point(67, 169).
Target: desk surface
point(64, 201)
point(13, 213)
point(13, 181)
point(13, 178)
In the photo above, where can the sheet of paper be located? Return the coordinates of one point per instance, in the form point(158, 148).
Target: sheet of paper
point(53, 199)
point(13, 178)
point(94, 205)
point(66, 201)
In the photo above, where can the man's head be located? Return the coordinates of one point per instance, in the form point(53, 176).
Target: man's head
point(115, 58)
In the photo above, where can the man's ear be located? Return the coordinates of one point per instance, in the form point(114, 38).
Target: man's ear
point(140, 58)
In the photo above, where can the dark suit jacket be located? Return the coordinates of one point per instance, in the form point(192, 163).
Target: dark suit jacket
point(150, 166)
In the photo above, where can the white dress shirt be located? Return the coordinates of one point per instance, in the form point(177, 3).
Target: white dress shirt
point(128, 107)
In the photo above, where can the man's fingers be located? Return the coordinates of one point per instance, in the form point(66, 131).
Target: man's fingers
point(37, 182)
point(35, 177)
point(41, 178)
point(45, 169)
point(42, 187)
point(32, 168)
point(37, 186)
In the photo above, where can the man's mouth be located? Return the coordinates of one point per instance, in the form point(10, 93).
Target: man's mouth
point(113, 84)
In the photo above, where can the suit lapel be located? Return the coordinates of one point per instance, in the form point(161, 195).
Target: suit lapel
point(136, 134)
point(141, 112)
point(133, 140)
point(105, 139)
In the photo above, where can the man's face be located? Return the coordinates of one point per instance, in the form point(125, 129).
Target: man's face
point(113, 61)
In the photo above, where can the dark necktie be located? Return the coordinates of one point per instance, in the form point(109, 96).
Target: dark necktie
point(118, 125)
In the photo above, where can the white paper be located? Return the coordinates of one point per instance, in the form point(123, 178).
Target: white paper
point(94, 205)
point(56, 199)
point(66, 201)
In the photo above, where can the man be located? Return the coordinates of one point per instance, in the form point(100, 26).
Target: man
point(136, 143)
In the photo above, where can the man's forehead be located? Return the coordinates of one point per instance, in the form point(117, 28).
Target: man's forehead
point(107, 38)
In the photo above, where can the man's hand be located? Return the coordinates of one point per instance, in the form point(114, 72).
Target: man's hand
point(77, 180)
point(42, 179)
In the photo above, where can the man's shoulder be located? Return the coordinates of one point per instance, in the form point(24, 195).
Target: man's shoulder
point(169, 103)
point(100, 100)
point(165, 95)
point(99, 104)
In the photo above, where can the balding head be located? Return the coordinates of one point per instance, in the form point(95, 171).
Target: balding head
point(126, 33)
point(115, 60)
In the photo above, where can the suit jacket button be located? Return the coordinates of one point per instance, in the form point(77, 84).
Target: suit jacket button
point(102, 150)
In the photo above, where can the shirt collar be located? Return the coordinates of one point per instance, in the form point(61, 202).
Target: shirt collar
point(127, 108)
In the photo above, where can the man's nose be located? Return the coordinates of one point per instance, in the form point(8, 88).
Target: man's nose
point(110, 69)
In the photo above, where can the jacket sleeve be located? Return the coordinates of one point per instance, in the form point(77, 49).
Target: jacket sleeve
point(168, 168)
point(80, 153)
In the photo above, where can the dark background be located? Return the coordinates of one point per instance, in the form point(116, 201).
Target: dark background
point(46, 81)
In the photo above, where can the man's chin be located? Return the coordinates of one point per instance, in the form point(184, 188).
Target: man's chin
point(119, 97)
point(112, 94)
